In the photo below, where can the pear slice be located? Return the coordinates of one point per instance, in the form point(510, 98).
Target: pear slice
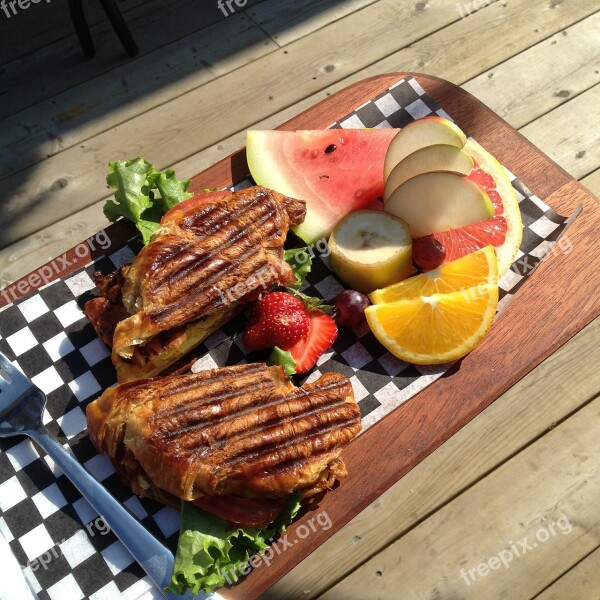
point(441, 157)
point(370, 249)
point(419, 134)
point(435, 202)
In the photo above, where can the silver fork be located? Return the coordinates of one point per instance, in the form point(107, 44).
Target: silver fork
point(21, 407)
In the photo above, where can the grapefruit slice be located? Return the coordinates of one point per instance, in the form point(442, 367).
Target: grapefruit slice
point(436, 329)
point(335, 171)
point(466, 272)
point(504, 230)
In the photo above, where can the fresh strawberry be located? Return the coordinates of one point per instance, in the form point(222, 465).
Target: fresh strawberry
point(321, 335)
point(277, 319)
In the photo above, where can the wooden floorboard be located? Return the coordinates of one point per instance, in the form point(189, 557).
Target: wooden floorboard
point(541, 78)
point(59, 66)
point(128, 90)
point(289, 20)
point(534, 405)
point(575, 148)
point(579, 583)
point(592, 182)
point(47, 23)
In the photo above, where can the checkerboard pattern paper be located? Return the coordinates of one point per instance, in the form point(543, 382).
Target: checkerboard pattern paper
point(65, 548)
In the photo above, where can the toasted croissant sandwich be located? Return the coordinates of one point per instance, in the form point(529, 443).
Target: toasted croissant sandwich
point(236, 441)
point(207, 259)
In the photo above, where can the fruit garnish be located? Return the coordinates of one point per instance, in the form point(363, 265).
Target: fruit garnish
point(428, 253)
point(311, 303)
point(333, 182)
point(440, 157)
point(419, 134)
point(370, 249)
point(283, 358)
point(322, 332)
point(350, 308)
point(277, 319)
point(435, 202)
point(504, 229)
point(435, 329)
point(463, 273)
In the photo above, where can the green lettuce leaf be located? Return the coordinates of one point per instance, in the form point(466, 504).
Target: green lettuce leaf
point(143, 194)
point(300, 261)
point(172, 190)
point(210, 555)
point(285, 358)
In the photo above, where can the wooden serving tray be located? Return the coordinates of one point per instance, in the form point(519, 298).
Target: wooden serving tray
point(559, 301)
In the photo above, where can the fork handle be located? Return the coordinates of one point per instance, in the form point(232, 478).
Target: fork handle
point(155, 558)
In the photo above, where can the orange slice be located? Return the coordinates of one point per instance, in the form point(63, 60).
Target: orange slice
point(470, 270)
point(435, 329)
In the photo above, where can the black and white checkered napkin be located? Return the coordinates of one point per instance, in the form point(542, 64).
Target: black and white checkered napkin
point(65, 549)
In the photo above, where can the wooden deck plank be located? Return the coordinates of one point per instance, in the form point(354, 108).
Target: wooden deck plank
point(580, 582)
point(53, 68)
point(52, 199)
point(575, 148)
point(288, 20)
point(28, 31)
point(72, 180)
point(526, 411)
point(543, 77)
point(557, 477)
point(23, 256)
point(592, 182)
point(129, 89)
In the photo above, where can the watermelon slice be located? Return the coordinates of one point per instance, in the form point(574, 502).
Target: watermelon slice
point(334, 170)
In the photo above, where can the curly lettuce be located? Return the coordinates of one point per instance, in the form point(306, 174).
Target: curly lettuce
point(211, 555)
point(143, 194)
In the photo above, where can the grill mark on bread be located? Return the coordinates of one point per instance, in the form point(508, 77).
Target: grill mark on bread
point(230, 428)
point(163, 314)
point(222, 246)
point(294, 451)
point(205, 415)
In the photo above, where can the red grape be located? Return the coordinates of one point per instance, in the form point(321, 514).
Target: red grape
point(350, 308)
point(428, 253)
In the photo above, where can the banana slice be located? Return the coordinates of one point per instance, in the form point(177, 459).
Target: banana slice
point(371, 249)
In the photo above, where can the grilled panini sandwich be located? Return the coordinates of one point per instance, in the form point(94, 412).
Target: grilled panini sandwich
point(205, 261)
point(231, 433)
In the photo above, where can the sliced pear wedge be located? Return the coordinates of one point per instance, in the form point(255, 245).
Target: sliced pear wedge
point(419, 134)
point(370, 249)
point(439, 158)
point(435, 202)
